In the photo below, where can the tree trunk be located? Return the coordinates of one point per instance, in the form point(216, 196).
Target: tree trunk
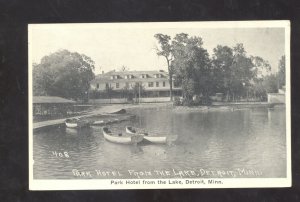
point(227, 96)
point(171, 87)
point(170, 79)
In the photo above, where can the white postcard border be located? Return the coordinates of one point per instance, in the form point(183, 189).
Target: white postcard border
point(90, 184)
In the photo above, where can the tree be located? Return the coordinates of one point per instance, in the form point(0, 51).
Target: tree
point(260, 66)
point(188, 88)
point(192, 65)
point(281, 72)
point(188, 61)
point(222, 61)
point(261, 84)
point(166, 51)
point(242, 71)
point(270, 84)
point(234, 69)
point(238, 73)
point(65, 74)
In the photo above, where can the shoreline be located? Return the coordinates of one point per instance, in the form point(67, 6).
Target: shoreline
point(231, 106)
point(214, 106)
point(101, 111)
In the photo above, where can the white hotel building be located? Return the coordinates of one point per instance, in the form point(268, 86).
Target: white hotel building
point(155, 83)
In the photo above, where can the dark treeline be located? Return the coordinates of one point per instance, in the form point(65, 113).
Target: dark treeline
point(229, 70)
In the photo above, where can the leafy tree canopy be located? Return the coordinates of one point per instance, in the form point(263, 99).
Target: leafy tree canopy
point(63, 73)
point(235, 72)
point(191, 64)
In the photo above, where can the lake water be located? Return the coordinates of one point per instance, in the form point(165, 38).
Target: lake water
point(241, 143)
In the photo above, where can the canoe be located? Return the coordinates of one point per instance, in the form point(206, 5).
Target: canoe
point(101, 122)
point(151, 138)
point(128, 139)
point(76, 123)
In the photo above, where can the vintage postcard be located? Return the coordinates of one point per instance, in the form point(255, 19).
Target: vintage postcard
point(159, 105)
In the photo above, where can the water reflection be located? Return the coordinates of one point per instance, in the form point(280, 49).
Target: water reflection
point(252, 138)
point(136, 149)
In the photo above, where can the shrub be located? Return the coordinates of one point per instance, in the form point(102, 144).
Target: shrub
point(187, 102)
point(197, 102)
point(177, 101)
point(206, 100)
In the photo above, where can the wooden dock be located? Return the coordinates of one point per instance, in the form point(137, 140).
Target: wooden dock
point(49, 123)
point(61, 122)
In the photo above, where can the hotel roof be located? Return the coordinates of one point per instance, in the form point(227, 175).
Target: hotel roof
point(135, 74)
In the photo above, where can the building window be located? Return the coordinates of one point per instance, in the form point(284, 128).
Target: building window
point(117, 85)
point(144, 76)
point(127, 84)
point(157, 75)
point(150, 84)
point(97, 85)
point(164, 84)
point(157, 84)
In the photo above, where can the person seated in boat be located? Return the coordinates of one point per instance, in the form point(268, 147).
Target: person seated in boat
point(146, 134)
point(132, 129)
point(120, 134)
point(106, 130)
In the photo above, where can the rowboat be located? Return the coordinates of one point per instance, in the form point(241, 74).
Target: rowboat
point(151, 138)
point(76, 123)
point(126, 139)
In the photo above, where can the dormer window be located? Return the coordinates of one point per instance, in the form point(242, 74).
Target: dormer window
point(114, 77)
point(128, 76)
point(144, 76)
point(157, 75)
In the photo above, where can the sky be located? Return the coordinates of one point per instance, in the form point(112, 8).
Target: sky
point(114, 45)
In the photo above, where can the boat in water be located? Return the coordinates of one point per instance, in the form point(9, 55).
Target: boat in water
point(120, 138)
point(99, 122)
point(76, 123)
point(149, 137)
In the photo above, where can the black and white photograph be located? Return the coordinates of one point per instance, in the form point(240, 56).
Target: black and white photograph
point(159, 105)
